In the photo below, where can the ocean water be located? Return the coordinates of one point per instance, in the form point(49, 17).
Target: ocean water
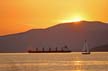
point(54, 62)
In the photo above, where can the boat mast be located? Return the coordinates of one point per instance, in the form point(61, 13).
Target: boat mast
point(86, 49)
point(49, 49)
point(43, 49)
point(56, 49)
point(36, 49)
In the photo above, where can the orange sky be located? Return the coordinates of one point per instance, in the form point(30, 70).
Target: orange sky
point(21, 15)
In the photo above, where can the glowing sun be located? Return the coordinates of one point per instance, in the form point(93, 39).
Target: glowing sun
point(74, 19)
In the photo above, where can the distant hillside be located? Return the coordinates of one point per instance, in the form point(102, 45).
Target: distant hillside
point(70, 34)
point(103, 48)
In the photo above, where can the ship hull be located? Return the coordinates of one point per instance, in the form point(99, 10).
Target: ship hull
point(49, 51)
point(86, 53)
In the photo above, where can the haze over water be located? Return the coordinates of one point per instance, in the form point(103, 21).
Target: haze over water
point(54, 62)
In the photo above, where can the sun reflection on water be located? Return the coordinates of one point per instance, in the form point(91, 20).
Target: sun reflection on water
point(77, 63)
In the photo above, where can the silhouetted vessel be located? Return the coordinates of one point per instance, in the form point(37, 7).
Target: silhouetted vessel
point(50, 51)
point(86, 49)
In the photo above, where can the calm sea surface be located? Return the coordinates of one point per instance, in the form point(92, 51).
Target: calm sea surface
point(53, 62)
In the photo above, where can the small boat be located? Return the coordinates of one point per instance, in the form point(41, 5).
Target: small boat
point(85, 48)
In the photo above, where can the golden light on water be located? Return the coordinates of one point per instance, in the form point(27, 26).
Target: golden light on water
point(77, 62)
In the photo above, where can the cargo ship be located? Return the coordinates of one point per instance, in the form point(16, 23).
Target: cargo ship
point(50, 51)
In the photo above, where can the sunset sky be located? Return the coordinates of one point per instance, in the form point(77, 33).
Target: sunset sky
point(21, 15)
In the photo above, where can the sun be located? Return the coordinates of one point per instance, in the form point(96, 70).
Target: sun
point(74, 19)
point(77, 19)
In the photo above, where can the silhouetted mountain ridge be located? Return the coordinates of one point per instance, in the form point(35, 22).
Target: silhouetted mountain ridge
point(71, 34)
point(102, 48)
